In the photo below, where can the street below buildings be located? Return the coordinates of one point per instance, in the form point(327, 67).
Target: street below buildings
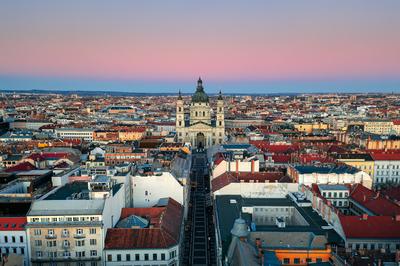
point(199, 247)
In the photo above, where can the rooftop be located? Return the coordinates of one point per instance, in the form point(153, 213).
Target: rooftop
point(306, 169)
point(163, 231)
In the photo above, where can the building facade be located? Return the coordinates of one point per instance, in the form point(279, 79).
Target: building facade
point(199, 129)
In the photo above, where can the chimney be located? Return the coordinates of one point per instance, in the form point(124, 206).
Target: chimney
point(365, 216)
point(252, 166)
point(397, 218)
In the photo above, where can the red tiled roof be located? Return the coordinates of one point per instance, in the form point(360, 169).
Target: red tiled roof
point(218, 158)
point(233, 177)
point(25, 166)
point(371, 227)
point(281, 158)
point(374, 202)
point(62, 165)
point(12, 223)
point(393, 193)
point(386, 156)
point(396, 122)
point(164, 231)
point(274, 148)
point(48, 155)
point(312, 158)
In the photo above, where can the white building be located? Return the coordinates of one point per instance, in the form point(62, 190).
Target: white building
point(147, 189)
point(13, 238)
point(338, 195)
point(386, 168)
point(69, 223)
point(308, 175)
point(75, 133)
point(247, 165)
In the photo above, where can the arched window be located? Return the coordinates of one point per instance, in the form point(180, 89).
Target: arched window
point(196, 113)
point(204, 113)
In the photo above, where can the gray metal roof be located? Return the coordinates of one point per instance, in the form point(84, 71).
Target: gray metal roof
point(66, 207)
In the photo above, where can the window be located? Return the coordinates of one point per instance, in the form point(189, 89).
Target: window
point(319, 260)
point(92, 231)
point(119, 258)
point(22, 251)
point(286, 261)
point(38, 243)
point(109, 257)
point(137, 257)
point(6, 239)
point(52, 243)
point(79, 231)
point(146, 256)
point(93, 253)
point(65, 232)
point(162, 256)
point(128, 257)
point(93, 242)
point(50, 232)
point(21, 239)
point(13, 239)
point(39, 254)
point(67, 254)
point(296, 261)
point(53, 254)
point(154, 256)
point(308, 260)
point(80, 254)
point(146, 193)
point(80, 243)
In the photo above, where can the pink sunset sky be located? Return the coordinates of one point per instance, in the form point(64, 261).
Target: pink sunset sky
point(179, 40)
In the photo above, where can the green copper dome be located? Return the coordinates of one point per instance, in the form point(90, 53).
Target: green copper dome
point(200, 96)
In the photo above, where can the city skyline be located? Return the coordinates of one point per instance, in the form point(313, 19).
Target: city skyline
point(265, 47)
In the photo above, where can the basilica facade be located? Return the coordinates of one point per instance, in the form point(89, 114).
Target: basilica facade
point(202, 126)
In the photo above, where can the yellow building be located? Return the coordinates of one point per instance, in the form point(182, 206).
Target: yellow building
point(379, 127)
point(364, 162)
point(310, 127)
point(130, 135)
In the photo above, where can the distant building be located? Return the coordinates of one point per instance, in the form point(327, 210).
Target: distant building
point(200, 130)
point(75, 133)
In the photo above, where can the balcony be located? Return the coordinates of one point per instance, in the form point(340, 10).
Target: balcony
point(79, 236)
point(51, 236)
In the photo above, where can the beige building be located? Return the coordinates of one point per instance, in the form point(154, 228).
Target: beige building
point(200, 130)
point(68, 226)
point(379, 127)
point(310, 127)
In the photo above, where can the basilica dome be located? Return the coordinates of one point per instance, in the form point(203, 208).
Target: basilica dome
point(200, 96)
